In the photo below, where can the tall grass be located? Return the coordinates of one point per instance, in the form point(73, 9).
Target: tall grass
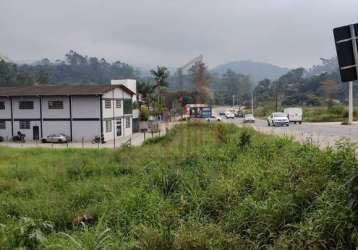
point(203, 186)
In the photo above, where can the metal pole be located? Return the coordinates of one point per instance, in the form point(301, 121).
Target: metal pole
point(252, 103)
point(233, 100)
point(113, 121)
point(350, 105)
point(355, 52)
point(276, 97)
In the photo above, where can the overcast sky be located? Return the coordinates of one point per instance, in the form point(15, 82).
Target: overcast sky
point(287, 33)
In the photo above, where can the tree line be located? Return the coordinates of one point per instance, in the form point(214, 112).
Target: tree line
point(74, 69)
point(317, 86)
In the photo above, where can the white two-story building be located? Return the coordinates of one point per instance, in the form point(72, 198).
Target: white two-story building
point(81, 112)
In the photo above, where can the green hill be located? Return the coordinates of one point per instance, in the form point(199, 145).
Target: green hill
point(256, 70)
point(203, 186)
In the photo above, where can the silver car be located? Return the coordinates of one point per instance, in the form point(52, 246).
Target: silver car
point(278, 119)
point(249, 118)
point(59, 138)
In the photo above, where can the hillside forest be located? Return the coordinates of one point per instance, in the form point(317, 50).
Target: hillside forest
point(317, 86)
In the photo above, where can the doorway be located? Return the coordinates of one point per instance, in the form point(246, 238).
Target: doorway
point(119, 127)
point(36, 133)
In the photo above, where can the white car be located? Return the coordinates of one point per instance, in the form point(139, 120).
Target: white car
point(278, 119)
point(60, 138)
point(214, 118)
point(229, 115)
point(249, 118)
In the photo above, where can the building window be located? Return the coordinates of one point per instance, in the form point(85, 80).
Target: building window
point(108, 126)
point(127, 106)
point(55, 104)
point(118, 104)
point(128, 122)
point(108, 104)
point(2, 125)
point(26, 105)
point(25, 124)
point(2, 105)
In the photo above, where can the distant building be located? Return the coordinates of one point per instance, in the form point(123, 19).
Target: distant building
point(81, 112)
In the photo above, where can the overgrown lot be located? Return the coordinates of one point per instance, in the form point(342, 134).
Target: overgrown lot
point(203, 186)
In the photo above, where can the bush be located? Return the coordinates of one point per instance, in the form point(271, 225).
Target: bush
point(202, 186)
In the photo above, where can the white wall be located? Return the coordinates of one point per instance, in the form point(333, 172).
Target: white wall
point(56, 127)
point(6, 133)
point(27, 132)
point(82, 107)
point(127, 131)
point(85, 107)
point(117, 93)
point(129, 83)
point(85, 129)
point(5, 113)
point(56, 113)
point(26, 113)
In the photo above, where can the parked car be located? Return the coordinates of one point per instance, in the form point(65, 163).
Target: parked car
point(1, 139)
point(59, 138)
point(278, 119)
point(239, 114)
point(249, 118)
point(222, 113)
point(294, 114)
point(229, 115)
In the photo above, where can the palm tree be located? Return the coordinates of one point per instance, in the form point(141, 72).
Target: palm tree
point(146, 89)
point(161, 76)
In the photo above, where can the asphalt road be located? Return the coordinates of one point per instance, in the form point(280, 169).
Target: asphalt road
point(321, 134)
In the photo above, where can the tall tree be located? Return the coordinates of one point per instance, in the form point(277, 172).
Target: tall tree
point(201, 79)
point(160, 75)
point(330, 88)
point(8, 72)
point(146, 90)
point(236, 84)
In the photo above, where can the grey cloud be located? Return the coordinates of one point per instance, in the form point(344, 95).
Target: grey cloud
point(288, 33)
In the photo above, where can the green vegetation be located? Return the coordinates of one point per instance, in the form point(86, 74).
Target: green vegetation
point(75, 69)
point(327, 114)
point(203, 186)
point(337, 113)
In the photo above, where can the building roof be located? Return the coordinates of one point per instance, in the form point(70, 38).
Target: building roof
point(60, 90)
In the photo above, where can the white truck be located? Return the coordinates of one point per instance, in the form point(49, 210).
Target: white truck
point(295, 115)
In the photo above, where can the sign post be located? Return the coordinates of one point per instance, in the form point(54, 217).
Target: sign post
point(347, 53)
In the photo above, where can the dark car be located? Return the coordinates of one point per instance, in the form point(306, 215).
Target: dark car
point(1, 139)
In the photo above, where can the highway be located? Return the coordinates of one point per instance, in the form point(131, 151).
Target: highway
point(321, 134)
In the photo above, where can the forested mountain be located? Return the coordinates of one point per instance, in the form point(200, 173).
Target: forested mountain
point(298, 87)
point(255, 70)
point(74, 69)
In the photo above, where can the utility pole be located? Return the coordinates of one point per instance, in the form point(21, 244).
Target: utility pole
point(276, 97)
point(252, 103)
point(355, 53)
point(350, 105)
point(233, 100)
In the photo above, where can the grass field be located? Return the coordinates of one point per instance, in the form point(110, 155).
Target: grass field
point(337, 113)
point(202, 186)
point(328, 114)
